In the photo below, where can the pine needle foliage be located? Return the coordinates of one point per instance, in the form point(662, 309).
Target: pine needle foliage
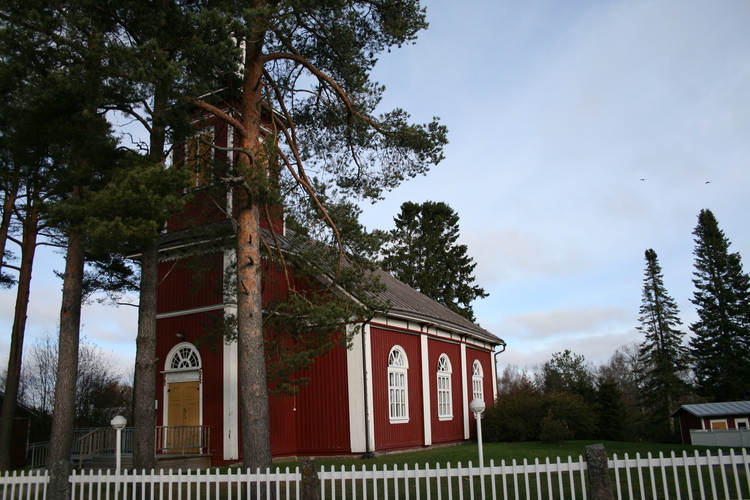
point(425, 255)
point(664, 358)
point(721, 342)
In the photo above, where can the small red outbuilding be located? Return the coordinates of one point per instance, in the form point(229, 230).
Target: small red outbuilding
point(708, 416)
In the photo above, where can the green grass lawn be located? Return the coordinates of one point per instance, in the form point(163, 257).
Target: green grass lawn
point(508, 451)
point(548, 485)
point(533, 486)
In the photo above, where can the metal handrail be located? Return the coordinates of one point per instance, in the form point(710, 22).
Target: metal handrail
point(93, 441)
point(98, 441)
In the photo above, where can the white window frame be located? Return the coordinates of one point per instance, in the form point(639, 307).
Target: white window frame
point(184, 357)
point(398, 386)
point(738, 421)
point(477, 381)
point(198, 164)
point(444, 388)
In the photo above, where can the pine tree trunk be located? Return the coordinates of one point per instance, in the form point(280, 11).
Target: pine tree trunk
point(28, 249)
point(256, 443)
point(9, 200)
point(144, 390)
point(61, 438)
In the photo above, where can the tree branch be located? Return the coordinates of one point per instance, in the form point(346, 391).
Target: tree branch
point(221, 115)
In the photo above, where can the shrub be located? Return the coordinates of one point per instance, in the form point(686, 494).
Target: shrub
point(514, 416)
point(553, 430)
point(574, 410)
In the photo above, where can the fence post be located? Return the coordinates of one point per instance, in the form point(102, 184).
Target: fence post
point(310, 484)
point(600, 487)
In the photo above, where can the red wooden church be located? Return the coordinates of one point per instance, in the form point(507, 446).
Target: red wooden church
point(406, 381)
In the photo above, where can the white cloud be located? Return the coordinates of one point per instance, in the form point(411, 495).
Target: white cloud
point(596, 348)
point(507, 254)
point(546, 324)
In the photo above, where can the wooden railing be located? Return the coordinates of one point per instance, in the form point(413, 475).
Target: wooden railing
point(183, 439)
point(36, 454)
point(721, 437)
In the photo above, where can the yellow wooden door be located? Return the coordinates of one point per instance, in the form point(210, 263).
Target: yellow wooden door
point(718, 425)
point(183, 417)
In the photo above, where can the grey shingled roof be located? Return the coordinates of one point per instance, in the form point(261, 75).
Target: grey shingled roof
point(407, 301)
point(716, 409)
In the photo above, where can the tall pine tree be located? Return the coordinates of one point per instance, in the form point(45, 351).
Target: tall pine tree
point(166, 49)
point(47, 127)
point(664, 358)
point(721, 342)
point(310, 62)
point(424, 255)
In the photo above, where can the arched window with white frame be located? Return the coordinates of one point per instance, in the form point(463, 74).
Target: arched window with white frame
point(184, 357)
point(398, 387)
point(477, 381)
point(444, 393)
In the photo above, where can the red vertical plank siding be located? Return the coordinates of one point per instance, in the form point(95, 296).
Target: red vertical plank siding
point(201, 209)
point(485, 358)
point(203, 206)
point(176, 284)
point(283, 423)
point(323, 406)
point(315, 420)
point(687, 422)
point(212, 373)
point(453, 429)
point(402, 435)
point(274, 283)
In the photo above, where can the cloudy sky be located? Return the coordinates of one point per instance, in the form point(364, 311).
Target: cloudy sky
point(581, 134)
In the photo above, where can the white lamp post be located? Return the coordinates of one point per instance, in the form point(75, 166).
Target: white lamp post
point(477, 406)
point(118, 423)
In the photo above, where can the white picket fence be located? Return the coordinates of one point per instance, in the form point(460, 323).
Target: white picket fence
point(495, 481)
point(693, 477)
point(685, 476)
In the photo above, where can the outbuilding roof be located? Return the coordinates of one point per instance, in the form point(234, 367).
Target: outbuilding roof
point(21, 409)
point(716, 409)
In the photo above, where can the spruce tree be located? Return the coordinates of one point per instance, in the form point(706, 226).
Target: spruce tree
point(664, 359)
point(721, 342)
point(568, 373)
point(424, 255)
point(613, 419)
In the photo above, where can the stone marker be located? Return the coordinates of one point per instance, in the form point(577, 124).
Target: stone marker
point(310, 485)
point(601, 486)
